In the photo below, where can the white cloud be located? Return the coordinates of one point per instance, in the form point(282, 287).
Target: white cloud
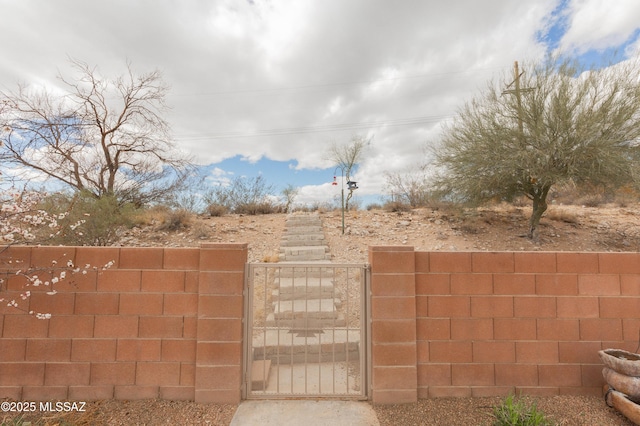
point(219, 177)
point(599, 24)
point(283, 79)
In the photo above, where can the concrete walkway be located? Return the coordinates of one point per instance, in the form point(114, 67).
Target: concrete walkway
point(305, 413)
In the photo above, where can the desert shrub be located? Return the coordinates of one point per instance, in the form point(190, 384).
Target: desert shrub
point(255, 208)
point(512, 412)
point(523, 201)
point(585, 195)
point(244, 196)
point(409, 187)
point(316, 206)
point(216, 210)
point(591, 200)
point(320, 207)
point(626, 195)
point(150, 216)
point(396, 206)
point(271, 258)
point(374, 206)
point(89, 221)
point(176, 220)
point(186, 200)
point(560, 215)
point(355, 204)
point(201, 231)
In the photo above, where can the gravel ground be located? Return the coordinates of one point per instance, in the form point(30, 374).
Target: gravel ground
point(129, 413)
point(562, 410)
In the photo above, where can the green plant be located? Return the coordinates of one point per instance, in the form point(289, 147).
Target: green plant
point(15, 421)
point(563, 124)
point(87, 220)
point(515, 412)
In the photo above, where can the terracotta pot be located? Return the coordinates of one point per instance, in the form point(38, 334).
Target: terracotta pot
point(629, 386)
point(624, 405)
point(621, 361)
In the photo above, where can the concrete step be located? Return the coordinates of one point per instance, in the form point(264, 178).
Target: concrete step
point(313, 221)
point(286, 347)
point(316, 235)
point(329, 378)
point(293, 288)
point(300, 243)
point(302, 253)
point(260, 370)
point(297, 250)
point(303, 240)
point(305, 230)
point(305, 257)
point(306, 325)
point(302, 218)
point(306, 308)
point(290, 270)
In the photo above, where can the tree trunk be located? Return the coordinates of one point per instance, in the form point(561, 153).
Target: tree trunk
point(539, 197)
point(346, 203)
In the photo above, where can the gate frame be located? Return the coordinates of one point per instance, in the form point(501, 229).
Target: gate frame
point(365, 330)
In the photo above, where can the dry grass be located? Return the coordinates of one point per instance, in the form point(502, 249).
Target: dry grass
point(562, 215)
point(271, 258)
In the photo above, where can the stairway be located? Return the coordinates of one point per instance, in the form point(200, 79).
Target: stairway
point(304, 300)
point(305, 323)
point(303, 239)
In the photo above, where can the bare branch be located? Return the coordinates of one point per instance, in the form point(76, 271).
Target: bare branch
point(107, 136)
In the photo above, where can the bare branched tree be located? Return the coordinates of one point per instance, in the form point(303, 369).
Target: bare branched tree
point(563, 124)
point(409, 187)
point(347, 156)
point(104, 136)
point(244, 195)
point(289, 194)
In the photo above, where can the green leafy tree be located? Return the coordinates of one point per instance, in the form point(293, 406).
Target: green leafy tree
point(561, 123)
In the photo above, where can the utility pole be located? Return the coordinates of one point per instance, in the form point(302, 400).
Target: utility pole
point(517, 91)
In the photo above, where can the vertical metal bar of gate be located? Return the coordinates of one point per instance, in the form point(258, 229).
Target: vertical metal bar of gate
point(306, 331)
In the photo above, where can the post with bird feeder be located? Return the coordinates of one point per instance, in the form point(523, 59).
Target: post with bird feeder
point(351, 186)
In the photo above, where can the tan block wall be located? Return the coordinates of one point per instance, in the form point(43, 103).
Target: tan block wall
point(491, 323)
point(167, 323)
point(393, 326)
point(159, 323)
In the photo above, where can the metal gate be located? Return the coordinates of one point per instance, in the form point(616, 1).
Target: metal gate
point(306, 331)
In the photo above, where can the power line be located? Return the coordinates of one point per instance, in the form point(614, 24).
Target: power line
point(410, 121)
point(333, 84)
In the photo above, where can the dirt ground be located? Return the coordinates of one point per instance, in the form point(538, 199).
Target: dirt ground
point(502, 227)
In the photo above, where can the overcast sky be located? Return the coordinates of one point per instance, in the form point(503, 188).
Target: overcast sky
point(264, 87)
